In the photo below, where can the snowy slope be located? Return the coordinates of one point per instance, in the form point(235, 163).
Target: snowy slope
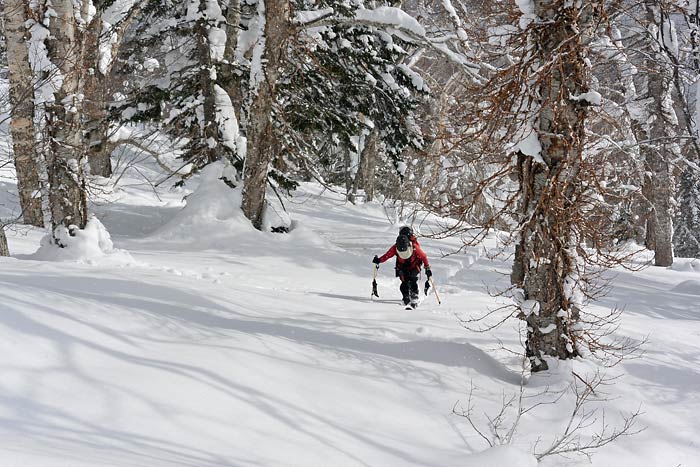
point(211, 344)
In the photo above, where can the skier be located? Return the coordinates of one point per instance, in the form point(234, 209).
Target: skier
point(409, 258)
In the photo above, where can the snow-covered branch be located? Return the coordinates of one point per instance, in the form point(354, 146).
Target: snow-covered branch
point(398, 22)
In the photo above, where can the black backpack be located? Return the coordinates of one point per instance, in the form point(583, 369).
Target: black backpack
point(403, 244)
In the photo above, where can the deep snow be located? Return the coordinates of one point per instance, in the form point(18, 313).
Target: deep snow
point(202, 342)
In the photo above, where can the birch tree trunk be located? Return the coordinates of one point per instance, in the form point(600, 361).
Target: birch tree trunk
point(545, 255)
point(210, 131)
point(67, 184)
point(260, 131)
point(22, 112)
point(231, 80)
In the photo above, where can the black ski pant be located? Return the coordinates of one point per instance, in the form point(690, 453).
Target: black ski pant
point(409, 285)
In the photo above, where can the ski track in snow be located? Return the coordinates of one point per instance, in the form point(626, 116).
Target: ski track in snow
point(270, 351)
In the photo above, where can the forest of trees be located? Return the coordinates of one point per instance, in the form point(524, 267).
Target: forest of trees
point(570, 126)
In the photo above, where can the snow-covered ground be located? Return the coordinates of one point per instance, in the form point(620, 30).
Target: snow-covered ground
point(200, 342)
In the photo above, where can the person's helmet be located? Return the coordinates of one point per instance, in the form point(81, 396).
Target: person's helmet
point(404, 247)
point(406, 230)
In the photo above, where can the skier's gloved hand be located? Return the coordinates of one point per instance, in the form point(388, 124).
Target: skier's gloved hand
point(428, 272)
point(375, 260)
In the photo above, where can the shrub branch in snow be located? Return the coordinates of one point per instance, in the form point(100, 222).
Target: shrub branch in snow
point(586, 430)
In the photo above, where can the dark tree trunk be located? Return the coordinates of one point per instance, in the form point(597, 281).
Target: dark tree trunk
point(95, 89)
point(349, 179)
point(544, 261)
point(369, 163)
point(98, 86)
point(260, 130)
point(686, 237)
point(4, 249)
point(654, 133)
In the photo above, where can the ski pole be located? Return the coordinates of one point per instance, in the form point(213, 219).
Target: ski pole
point(374, 282)
point(434, 290)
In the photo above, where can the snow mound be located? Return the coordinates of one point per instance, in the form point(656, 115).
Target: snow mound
point(691, 287)
point(301, 235)
point(686, 265)
point(212, 215)
point(213, 219)
point(91, 244)
point(499, 456)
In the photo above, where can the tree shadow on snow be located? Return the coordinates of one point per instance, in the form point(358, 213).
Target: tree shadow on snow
point(649, 298)
point(128, 220)
point(61, 429)
point(177, 304)
point(670, 385)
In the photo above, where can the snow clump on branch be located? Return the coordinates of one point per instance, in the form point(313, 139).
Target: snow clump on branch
point(89, 245)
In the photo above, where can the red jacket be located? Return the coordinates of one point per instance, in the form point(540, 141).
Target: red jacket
point(413, 263)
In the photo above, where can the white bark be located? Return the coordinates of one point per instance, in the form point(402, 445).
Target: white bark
point(22, 111)
point(232, 81)
point(67, 186)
